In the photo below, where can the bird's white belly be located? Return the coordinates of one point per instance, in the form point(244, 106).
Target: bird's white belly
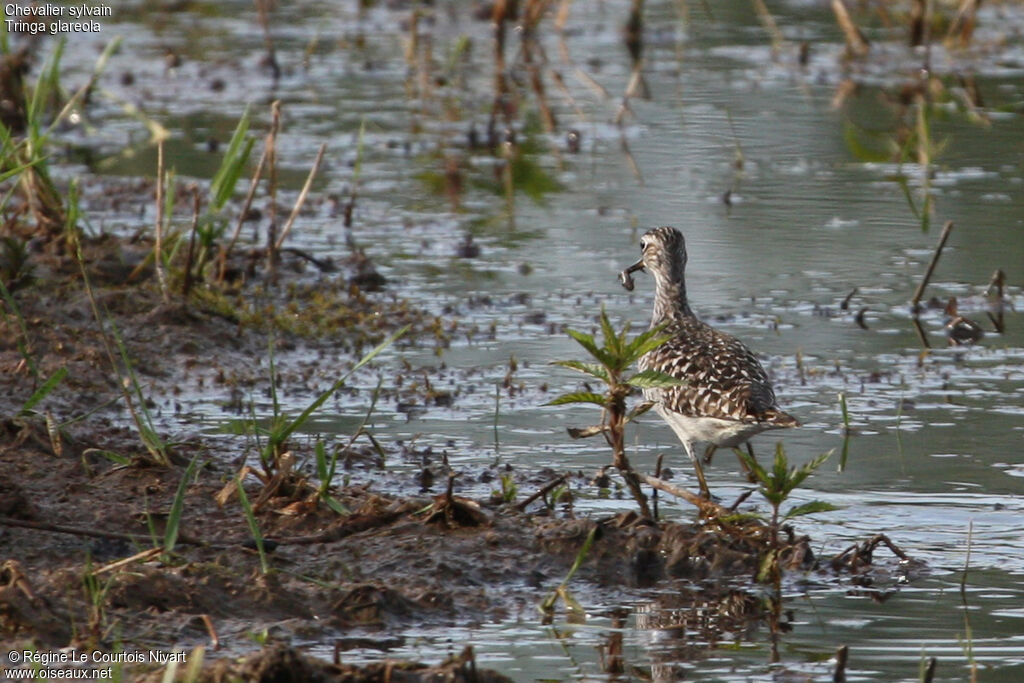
point(723, 433)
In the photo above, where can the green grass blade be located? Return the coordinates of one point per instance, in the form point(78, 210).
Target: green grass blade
point(323, 469)
point(17, 169)
point(376, 351)
point(336, 505)
point(254, 527)
point(147, 432)
point(178, 507)
point(5, 44)
point(282, 434)
point(548, 604)
point(845, 411)
point(44, 390)
point(580, 556)
point(74, 100)
point(377, 448)
point(235, 157)
point(47, 85)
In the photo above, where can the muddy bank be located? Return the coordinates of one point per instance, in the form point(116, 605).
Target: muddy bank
point(108, 549)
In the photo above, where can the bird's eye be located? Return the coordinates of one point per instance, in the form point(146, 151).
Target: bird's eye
point(643, 245)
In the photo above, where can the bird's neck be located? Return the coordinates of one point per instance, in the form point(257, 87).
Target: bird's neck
point(670, 301)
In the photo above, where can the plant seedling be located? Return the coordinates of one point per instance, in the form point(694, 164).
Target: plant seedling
point(776, 485)
point(614, 357)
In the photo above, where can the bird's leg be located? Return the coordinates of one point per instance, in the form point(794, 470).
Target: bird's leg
point(709, 452)
point(704, 491)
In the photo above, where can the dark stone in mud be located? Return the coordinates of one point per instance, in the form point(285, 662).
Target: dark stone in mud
point(106, 549)
point(467, 248)
point(363, 643)
point(269, 546)
point(371, 604)
point(13, 502)
point(368, 281)
point(425, 478)
point(276, 664)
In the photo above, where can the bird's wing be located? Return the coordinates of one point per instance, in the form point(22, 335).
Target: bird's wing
point(724, 378)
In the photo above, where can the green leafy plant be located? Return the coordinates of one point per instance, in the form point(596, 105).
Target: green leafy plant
point(509, 488)
point(237, 155)
point(614, 357)
point(555, 495)
point(775, 486)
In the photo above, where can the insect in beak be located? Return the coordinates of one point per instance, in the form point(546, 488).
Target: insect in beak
point(626, 277)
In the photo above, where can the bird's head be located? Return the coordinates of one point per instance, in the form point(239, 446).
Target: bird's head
point(662, 254)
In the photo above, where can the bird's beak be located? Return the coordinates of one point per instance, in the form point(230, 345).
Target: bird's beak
point(626, 276)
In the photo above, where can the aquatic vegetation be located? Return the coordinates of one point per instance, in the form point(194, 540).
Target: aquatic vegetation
point(615, 356)
point(776, 485)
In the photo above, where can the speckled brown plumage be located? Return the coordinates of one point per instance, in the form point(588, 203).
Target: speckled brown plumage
point(727, 397)
point(724, 379)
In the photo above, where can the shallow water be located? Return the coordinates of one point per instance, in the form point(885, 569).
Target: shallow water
point(937, 438)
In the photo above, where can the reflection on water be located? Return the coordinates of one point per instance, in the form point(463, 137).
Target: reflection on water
point(797, 194)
